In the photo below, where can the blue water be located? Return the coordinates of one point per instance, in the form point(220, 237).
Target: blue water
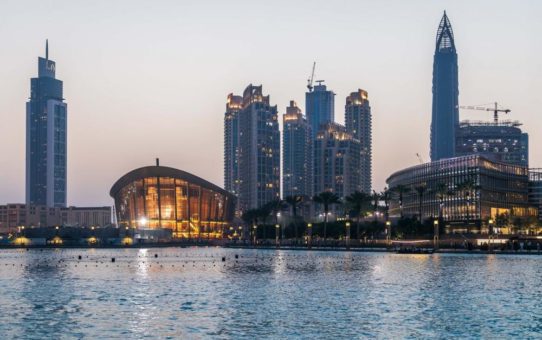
point(267, 294)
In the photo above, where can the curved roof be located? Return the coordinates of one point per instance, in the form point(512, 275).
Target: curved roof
point(163, 171)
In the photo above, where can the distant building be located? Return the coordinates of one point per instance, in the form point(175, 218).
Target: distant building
point(46, 138)
point(231, 143)
point(494, 189)
point(258, 154)
point(445, 115)
point(296, 153)
point(358, 121)
point(337, 164)
point(535, 189)
point(502, 142)
point(17, 215)
point(320, 107)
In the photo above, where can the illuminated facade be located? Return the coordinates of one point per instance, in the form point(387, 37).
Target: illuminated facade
point(158, 197)
point(336, 161)
point(297, 153)
point(46, 138)
point(445, 114)
point(499, 141)
point(476, 190)
point(358, 121)
point(258, 150)
point(535, 189)
point(231, 143)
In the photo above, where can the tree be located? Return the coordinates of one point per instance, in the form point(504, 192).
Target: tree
point(294, 201)
point(400, 190)
point(327, 199)
point(386, 197)
point(358, 202)
point(376, 199)
point(250, 217)
point(442, 191)
point(468, 190)
point(420, 191)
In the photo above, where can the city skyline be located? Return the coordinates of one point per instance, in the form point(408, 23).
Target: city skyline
point(104, 135)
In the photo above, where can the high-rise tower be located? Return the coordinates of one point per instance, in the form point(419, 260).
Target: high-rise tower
point(320, 107)
point(445, 115)
point(231, 143)
point(46, 142)
point(358, 122)
point(296, 153)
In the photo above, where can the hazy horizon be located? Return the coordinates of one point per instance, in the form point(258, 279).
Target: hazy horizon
point(145, 80)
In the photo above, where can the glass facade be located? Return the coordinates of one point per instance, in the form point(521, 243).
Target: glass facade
point(475, 190)
point(535, 189)
point(162, 197)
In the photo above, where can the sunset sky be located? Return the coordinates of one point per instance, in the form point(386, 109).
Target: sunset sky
point(147, 79)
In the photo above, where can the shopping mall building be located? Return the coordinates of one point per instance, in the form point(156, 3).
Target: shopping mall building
point(157, 198)
point(477, 190)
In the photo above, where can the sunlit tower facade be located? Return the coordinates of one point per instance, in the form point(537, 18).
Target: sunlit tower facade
point(445, 115)
point(46, 138)
point(231, 143)
point(296, 153)
point(358, 121)
point(319, 106)
point(258, 154)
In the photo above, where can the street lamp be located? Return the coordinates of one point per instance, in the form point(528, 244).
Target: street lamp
point(255, 232)
point(388, 232)
point(490, 234)
point(347, 224)
point(435, 234)
point(309, 234)
point(277, 231)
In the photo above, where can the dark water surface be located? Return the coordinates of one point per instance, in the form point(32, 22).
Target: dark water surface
point(191, 293)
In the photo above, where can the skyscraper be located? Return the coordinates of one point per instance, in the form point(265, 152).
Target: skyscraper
point(258, 154)
point(231, 143)
point(445, 115)
point(336, 161)
point(358, 121)
point(297, 153)
point(46, 143)
point(320, 107)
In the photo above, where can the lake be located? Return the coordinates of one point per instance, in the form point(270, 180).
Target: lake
point(198, 293)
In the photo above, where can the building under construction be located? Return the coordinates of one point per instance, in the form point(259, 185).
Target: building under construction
point(501, 141)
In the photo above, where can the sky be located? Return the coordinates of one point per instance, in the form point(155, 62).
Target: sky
point(147, 79)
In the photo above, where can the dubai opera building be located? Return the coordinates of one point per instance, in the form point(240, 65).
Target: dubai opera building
point(159, 197)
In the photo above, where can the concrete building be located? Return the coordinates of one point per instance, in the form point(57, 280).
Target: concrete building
point(46, 138)
point(445, 114)
point(337, 164)
point(535, 189)
point(358, 121)
point(258, 151)
point(499, 141)
point(319, 106)
point(17, 215)
point(231, 143)
point(296, 154)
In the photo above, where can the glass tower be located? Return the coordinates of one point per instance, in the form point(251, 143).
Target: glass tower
point(445, 115)
point(320, 107)
point(46, 144)
point(296, 153)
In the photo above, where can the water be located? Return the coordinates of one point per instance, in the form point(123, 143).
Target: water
point(191, 293)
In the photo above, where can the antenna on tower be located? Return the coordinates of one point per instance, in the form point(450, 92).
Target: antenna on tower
point(47, 49)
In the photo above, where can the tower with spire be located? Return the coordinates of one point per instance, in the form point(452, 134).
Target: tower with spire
point(46, 137)
point(445, 115)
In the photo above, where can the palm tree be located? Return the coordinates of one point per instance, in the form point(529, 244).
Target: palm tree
point(420, 190)
point(263, 213)
point(327, 199)
point(386, 197)
point(250, 217)
point(376, 199)
point(294, 201)
point(400, 190)
point(442, 191)
point(468, 189)
point(358, 202)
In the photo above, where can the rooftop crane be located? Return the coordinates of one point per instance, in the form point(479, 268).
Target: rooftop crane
point(495, 110)
point(311, 79)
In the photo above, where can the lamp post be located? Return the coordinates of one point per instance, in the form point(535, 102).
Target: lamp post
point(435, 234)
point(347, 235)
point(388, 233)
point(255, 232)
point(309, 235)
point(277, 232)
point(490, 234)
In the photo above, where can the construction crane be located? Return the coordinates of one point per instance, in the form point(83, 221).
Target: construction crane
point(495, 110)
point(420, 159)
point(311, 79)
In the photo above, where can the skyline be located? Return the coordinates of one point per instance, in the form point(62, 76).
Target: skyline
point(124, 116)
